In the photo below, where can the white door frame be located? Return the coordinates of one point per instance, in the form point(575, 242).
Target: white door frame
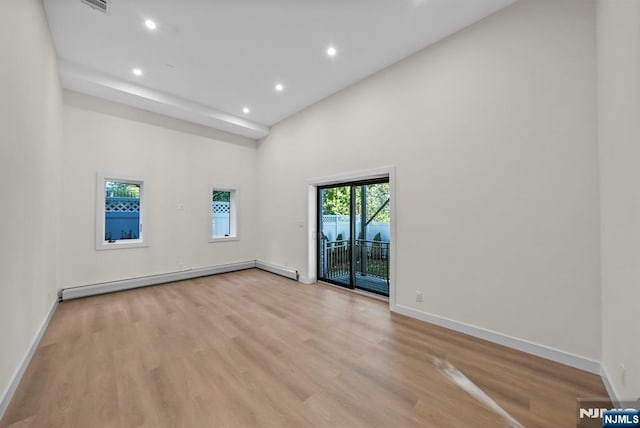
point(312, 189)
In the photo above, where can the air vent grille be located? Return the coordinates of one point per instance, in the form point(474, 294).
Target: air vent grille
point(101, 5)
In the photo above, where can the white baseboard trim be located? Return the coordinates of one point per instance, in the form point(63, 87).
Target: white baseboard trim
point(613, 394)
point(543, 351)
point(566, 358)
point(7, 395)
point(144, 281)
point(278, 270)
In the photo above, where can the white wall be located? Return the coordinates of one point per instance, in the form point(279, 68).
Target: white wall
point(619, 137)
point(29, 161)
point(494, 135)
point(179, 162)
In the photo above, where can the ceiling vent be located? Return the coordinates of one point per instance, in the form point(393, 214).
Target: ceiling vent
point(100, 5)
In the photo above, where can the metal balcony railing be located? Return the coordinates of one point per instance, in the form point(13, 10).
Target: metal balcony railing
point(371, 259)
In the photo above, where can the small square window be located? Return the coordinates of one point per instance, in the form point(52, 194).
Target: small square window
point(223, 214)
point(119, 211)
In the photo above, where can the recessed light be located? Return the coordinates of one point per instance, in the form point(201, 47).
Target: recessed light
point(332, 51)
point(137, 72)
point(246, 110)
point(279, 87)
point(150, 24)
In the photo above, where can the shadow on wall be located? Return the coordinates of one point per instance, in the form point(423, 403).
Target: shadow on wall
point(74, 99)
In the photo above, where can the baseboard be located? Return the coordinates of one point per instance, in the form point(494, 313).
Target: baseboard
point(7, 395)
point(278, 270)
point(566, 358)
point(549, 353)
point(127, 284)
point(613, 395)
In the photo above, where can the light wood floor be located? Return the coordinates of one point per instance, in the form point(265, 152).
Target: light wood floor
point(252, 349)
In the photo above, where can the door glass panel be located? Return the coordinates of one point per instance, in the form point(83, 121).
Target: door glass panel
point(372, 230)
point(353, 245)
point(334, 242)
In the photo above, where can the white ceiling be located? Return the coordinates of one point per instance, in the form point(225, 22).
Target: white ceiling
point(208, 59)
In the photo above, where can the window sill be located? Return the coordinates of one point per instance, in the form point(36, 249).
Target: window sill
point(224, 238)
point(120, 245)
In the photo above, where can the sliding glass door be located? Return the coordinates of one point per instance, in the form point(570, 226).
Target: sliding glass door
point(372, 229)
point(354, 233)
point(335, 235)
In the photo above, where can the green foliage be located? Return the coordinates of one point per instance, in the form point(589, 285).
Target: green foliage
point(122, 189)
point(220, 196)
point(337, 201)
point(377, 196)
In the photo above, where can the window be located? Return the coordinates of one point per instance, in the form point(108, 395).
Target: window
point(223, 214)
point(119, 212)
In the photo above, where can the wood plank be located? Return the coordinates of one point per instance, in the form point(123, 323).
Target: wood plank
point(253, 349)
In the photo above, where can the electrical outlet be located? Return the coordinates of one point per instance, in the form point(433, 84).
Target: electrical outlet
point(418, 296)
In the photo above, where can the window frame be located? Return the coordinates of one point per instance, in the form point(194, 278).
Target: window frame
point(143, 240)
point(234, 229)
